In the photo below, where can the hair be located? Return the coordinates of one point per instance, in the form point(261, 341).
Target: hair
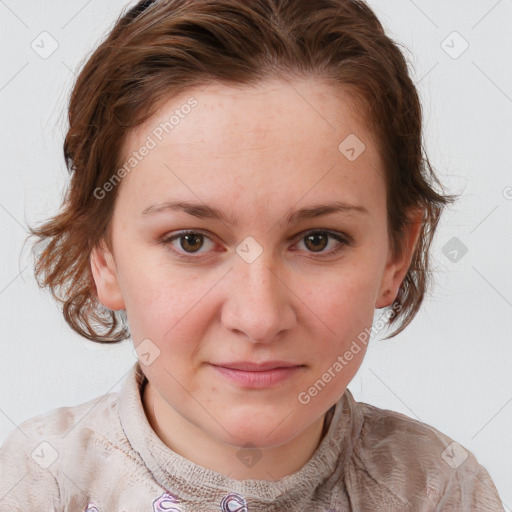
point(158, 49)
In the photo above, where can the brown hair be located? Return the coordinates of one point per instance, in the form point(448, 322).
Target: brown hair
point(161, 48)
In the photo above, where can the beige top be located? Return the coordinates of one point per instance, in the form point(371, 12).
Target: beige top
point(103, 456)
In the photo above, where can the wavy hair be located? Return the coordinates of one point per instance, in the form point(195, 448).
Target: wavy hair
point(158, 49)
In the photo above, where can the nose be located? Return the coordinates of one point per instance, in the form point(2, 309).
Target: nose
point(259, 303)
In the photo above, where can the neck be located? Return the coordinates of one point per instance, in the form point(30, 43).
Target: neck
point(239, 463)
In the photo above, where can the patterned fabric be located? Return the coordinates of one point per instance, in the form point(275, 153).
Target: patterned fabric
point(103, 456)
point(232, 502)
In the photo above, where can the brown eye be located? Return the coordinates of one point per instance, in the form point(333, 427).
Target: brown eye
point(317, 241)
point(188, 244)
point(191, 242)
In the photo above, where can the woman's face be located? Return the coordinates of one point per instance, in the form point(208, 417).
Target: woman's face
point(283, 190)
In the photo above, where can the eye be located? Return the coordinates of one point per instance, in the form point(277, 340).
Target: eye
point(316, 241)
point(190, 242)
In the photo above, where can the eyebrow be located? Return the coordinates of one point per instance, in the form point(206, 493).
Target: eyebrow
point(204, 211)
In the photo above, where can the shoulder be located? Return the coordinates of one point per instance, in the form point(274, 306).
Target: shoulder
point(414, 464)
point(65, 423)
point(394, 434)
point(33, 454)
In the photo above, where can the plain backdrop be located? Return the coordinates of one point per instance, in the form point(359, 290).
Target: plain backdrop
point(450, 368)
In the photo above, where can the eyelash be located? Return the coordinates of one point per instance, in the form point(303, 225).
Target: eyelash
point(343, 240)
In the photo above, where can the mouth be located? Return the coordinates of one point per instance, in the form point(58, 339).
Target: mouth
point(257, 375)
point(256, 367)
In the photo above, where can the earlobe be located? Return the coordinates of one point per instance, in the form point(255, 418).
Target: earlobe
point(398, 266)
point(104, 273)
point(386, 298)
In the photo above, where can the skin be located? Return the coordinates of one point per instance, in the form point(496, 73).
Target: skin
point(255, 153)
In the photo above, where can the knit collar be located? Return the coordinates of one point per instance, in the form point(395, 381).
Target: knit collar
point(190, 482)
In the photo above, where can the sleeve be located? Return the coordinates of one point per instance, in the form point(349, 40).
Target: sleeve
point(472, 490)
point(26, 480)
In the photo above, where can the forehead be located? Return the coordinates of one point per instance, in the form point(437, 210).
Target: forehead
point(307, 108)
point(258, 139)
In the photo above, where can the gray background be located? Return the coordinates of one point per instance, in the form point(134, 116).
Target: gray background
point(450, 368)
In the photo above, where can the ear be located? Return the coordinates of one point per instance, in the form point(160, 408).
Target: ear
point(398, 265)
point(104, 272)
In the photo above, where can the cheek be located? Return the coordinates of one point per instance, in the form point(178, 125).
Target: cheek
point(344, 299)
point(162, 303)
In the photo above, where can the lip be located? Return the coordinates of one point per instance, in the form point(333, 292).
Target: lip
point(256, 367)
point(257, 375)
